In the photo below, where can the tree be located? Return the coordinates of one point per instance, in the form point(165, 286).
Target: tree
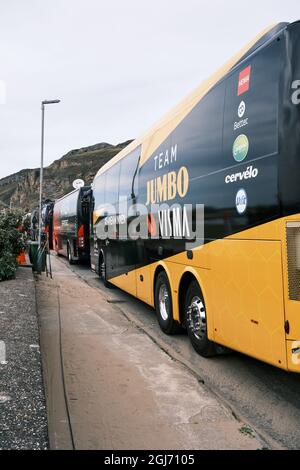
point(12, 242)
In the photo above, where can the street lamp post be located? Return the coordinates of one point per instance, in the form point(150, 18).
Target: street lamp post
point(44, 103)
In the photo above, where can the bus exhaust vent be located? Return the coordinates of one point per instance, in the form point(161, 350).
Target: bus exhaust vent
point(293, 256)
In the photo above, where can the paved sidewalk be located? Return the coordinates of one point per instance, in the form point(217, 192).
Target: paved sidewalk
point(123, 391)
point(23, 418)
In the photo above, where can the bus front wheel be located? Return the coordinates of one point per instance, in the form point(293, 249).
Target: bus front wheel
point(196, 321)
point(163, 305)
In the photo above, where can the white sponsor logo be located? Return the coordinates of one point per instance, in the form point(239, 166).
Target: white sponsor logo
point(165, 158)
point(249, 173)
point(115, 219)
point(296, 353)
point(174, 223)
point(296, 94)
point(241, 109)
point(77, 184)
point(239, 124)
point(243, 122)
point(241, 201)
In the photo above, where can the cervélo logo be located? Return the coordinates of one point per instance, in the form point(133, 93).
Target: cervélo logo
point(244, 81)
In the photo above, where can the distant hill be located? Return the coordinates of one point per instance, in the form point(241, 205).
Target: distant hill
point(22, 189)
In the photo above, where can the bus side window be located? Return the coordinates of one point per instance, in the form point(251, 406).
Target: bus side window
point(129, 175)
point(112, 184)
point(99, 189)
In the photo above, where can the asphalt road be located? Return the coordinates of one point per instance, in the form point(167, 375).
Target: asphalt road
point(265, 397)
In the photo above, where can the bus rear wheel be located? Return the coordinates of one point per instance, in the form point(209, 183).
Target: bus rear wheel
point(196, 321)
point(163, 305)
point(69, 254)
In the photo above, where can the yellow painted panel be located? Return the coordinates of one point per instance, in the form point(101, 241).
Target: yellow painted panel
point(144, 284)
point(247, 298)
point(127, 282)
point(268, 231)
point(201, 257)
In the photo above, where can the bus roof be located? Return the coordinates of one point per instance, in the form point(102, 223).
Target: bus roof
point(153, 138)
point(72, 192)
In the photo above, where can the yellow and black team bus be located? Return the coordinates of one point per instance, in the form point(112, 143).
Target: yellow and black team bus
point(233, 146)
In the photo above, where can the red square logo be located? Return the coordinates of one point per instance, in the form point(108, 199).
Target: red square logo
point(244, 80)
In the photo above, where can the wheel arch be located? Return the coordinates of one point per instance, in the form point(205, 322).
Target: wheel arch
point(177, 289)
point(189, 275)
point(161, 267)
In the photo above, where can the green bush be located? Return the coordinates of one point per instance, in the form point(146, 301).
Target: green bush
point(12, 242)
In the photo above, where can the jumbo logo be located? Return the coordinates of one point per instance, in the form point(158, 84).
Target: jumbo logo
point(167, 187)
point(170, 185)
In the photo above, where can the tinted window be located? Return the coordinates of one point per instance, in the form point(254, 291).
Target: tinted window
point(128, 176)
point(199, 136)
point(68, 205)
point(99, 190)
point(112, 184)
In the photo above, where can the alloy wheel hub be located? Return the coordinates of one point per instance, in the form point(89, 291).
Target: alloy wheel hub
point(196, 318)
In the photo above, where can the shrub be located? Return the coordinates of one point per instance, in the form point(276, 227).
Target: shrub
point(12, 242)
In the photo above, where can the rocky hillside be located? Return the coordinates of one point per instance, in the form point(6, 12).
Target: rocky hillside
point(22, 189)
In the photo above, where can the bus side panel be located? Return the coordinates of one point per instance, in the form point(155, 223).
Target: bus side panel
point(144, 283)
point(247, 298)
point(126, 282)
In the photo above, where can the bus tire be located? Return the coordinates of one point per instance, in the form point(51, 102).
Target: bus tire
point(69, 254)
point(163, 305)
point(196, 321)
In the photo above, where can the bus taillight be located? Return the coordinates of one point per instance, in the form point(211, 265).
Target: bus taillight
point(80, 233)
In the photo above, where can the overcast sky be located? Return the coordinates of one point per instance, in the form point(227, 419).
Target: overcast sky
point(117, 65)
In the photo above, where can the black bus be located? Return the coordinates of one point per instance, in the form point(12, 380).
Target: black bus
point(71, 225)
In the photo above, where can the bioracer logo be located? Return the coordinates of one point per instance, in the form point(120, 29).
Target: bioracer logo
point(241, 201)
point(244, 81)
